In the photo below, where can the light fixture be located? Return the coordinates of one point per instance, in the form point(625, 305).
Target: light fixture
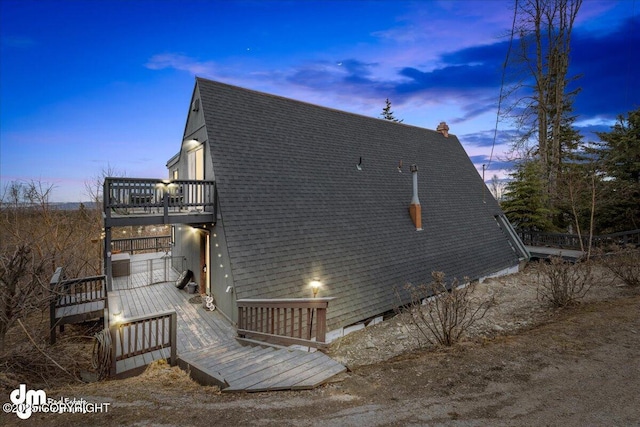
point(117, 315)
point(315, 287)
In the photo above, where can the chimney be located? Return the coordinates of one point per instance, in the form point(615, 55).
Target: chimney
point(414, 208)
point(443, 128)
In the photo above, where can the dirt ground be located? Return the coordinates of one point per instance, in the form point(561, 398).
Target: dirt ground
point(523, 364)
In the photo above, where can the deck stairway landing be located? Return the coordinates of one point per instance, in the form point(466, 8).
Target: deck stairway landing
point(253, 369)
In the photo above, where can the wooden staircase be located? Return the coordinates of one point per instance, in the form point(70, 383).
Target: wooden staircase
point(254, 369)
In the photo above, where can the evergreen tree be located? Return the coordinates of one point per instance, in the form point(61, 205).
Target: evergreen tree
point(526, 202)
point(387, 114)
point(618, 160)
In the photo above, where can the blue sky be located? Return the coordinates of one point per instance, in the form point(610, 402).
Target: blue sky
point(87, 85)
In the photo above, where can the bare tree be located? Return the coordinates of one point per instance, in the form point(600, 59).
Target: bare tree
point(541, 99)
point(497, 187)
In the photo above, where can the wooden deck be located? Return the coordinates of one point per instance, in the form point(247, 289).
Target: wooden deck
point(540, 252)
point(207, 345)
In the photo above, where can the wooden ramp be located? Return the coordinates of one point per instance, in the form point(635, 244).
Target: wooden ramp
point(254, 369)
point(207, 347)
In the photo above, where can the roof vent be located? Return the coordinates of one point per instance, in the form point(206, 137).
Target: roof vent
point(443, 128)
point(195, 106)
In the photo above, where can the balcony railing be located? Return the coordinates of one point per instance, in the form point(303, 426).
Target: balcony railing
point(126, 196)
point(290, 321)
point(141, 244)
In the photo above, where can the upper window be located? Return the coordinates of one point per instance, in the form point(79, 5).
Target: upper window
point(195, 161)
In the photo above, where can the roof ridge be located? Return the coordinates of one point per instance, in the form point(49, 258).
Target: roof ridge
point(281, 97)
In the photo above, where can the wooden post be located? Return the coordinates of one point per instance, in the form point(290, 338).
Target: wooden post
point(173, 329)
point(107, 257)
point(321, 325)
point(165, 206)
point(53, 295)
point(113, 328)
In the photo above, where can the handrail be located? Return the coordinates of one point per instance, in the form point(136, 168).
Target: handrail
point(81, 290)
point(143, 334)
point(572, 241)
point(286, 321)
point(137, 244)
point(71, 292)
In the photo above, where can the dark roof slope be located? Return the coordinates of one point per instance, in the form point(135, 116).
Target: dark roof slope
point(295, 208)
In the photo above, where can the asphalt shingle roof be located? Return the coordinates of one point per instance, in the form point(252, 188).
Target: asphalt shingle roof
point(295, 207)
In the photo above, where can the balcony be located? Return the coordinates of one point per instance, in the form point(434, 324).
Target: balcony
point(142, 201)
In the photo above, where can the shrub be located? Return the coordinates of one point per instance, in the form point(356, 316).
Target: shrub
point(624, 263)
point(438, 314)
point(561, 283)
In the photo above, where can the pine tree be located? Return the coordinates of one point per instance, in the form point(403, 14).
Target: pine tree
point(618, 160)
point(387, 114)
point(526, 202)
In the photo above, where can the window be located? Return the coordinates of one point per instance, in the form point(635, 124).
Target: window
point(195, 162)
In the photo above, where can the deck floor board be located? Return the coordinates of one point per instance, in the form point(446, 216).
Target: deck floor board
point(207, 341)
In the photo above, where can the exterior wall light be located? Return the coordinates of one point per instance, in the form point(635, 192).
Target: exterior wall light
point(315, 287)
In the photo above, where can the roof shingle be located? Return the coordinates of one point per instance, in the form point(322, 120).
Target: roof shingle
point(296, 208)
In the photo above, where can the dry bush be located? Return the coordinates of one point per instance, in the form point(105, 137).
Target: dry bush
point(22, 289)
point(35, 238)
point(624, 263)
point(561, 283)
point(438, 314)
point(30, 359)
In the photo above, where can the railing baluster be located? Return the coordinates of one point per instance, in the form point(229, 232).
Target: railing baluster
point(301, 321)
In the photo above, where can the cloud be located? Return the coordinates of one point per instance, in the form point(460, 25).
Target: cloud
point(348, 76)
point(608, 64)
point(495, 165)
point(485, 138)
point(469, 78)
point(182, 63)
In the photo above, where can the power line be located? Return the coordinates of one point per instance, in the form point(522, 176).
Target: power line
point(504, 71)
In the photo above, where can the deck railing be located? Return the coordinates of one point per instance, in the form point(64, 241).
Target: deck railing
point(141, 244)
point(142, 195)
point(74, 292)
point(145, 272)
point(572, 241)
point(140, 335)
point(290, 321)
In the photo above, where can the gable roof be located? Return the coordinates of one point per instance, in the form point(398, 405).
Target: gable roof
point(296, 208)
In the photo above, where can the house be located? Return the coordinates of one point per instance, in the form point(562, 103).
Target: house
point(307, 193)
